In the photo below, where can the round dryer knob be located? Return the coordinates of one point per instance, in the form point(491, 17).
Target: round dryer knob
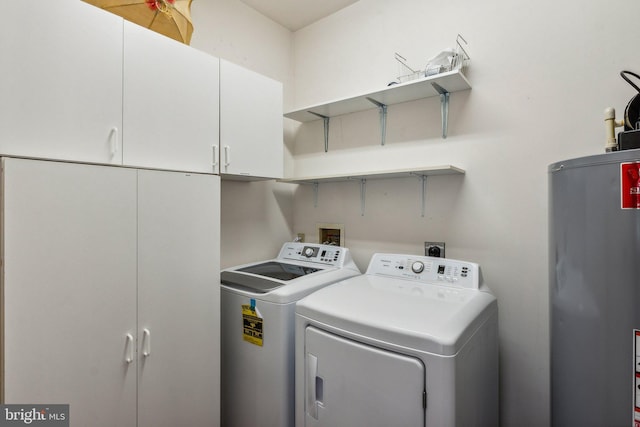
point(417, 267)
point(308, 252)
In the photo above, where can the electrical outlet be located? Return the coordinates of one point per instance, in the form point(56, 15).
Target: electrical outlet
point(434, 249)
point(300, 237)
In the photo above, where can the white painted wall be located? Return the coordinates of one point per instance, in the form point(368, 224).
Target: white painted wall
point(542, 73)
point(256, 216)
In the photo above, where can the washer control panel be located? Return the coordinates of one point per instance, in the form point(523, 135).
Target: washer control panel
point(312, 252)
point(426, 269)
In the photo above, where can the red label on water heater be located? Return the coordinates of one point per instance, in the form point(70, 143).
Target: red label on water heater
point(630, 185)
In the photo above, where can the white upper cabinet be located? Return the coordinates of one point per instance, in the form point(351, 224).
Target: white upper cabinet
point(171, 107)
point(79, 83)
point(251, 124)
point(60, 81)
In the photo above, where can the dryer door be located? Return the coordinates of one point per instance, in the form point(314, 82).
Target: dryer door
point(348, 383)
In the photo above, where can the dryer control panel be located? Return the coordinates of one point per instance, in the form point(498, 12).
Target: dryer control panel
point(311, 252)
point(441, 271)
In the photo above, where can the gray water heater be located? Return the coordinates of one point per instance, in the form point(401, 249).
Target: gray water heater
point(594, 224)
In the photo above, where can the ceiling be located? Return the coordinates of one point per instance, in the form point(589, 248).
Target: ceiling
point(296, 14)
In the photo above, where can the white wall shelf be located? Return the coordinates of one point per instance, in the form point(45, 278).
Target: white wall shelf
point(437, 85)
point(362, 177)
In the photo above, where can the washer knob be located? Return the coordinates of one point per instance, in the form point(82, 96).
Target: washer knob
point(308, 252)
point(417, 267)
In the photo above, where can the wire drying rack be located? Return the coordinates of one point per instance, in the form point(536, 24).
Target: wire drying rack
point(459, 59)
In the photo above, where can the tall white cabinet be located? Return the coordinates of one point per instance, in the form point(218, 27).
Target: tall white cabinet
point(109, 292)
point(178, 299)
point(69, 288)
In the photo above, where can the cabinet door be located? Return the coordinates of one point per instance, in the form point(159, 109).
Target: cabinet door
point(171, 103)
point(179, 299)
point(60, 81)
point(251, 124)
point(69, 251)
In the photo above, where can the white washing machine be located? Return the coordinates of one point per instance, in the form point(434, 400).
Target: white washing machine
point(411, 343)
point(258, 311)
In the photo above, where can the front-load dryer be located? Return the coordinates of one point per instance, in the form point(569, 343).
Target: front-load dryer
point(257, 321)
point(411, 343)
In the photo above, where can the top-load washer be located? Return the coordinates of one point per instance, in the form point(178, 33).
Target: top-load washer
point(257, 320)
point(411, 343)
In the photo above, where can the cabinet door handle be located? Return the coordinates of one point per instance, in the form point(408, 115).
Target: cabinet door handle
point(215, 155)
point(146, 342)
point(227, 156)
point(113, 139)
point(128, 349)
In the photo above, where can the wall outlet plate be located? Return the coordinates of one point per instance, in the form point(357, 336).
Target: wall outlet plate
point(434, 249)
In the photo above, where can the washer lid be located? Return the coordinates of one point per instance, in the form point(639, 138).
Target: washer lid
point(261, 276)
point(279, 270)
point(427, 317)
point(302, 267)
point(264, 277)
point(282, 282)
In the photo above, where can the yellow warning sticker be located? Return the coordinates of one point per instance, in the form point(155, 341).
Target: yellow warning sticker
point(252, 325)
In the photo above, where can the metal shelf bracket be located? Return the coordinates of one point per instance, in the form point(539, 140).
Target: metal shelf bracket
point(315, 194)
point(423, 195)
point(423, 178)
point(363, 195)
point(325, 120)
point(444, 107)
point(383, 119)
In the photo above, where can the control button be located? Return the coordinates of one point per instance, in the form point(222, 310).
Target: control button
point(417, 267)
point(308, 252)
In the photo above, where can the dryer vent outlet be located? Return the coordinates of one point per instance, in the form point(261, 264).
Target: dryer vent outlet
point(434, 249)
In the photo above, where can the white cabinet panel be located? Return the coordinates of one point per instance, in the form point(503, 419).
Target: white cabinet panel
point(251, 123)
point(69, 264)
point(60, 81)
point(179, 299)
point(92, 254)
point(79, 83)
point(171, 103)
